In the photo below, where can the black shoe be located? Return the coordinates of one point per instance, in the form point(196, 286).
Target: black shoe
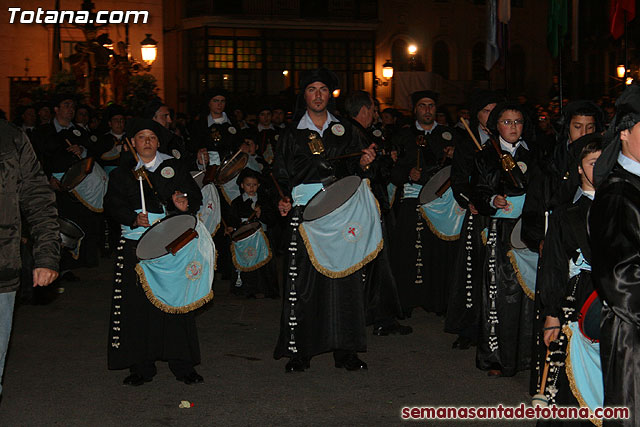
point(395, 329)
point(295, 364)
point(191, 378)
point(136, 380)
point(462, 343)
point(351, 363)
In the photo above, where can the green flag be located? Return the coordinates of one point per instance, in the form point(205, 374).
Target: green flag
point(557, 25)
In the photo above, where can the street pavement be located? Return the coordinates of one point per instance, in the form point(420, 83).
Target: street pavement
point(56, 372)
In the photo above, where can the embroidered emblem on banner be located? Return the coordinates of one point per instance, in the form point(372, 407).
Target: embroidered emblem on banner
point(232, 130)
point(377, 133)
point(337, 129)
point(76, 132)
point(522, 166)
point(459, 211)
point(250, 252)
point(193, 270)
point(509, 208)
point(93, 138)
point(447, 136)
point(167, 172)
point(176, 154)
point(352, 232)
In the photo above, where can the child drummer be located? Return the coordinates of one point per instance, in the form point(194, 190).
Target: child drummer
point(252, 253)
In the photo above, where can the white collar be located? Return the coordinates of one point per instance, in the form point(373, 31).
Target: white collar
point(153, 164)
point(218, 121)
point(245, 196)
point(117, 136)
point(507, 146)
point(421, 129)
point(59, 127)
point(484, 137)
point(307, 123)
point(628, 164)
point(261, 128)
point(580, 192)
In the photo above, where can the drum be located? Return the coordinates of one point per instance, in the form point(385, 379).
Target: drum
point(231, 168)
point(516, 236)
point(245, 231)
point(590, 315)
point(167, 236)
point(76, 174)
point(436, 187)
point(70, 234)
point(331, 198)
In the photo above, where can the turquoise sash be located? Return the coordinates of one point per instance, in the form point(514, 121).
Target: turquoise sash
point(514, 210)
point(209, 213)
point(182, 282)
point(411, 191)
point(525, 264)
point(230, 190)
point(580, 264)
point(214, 158)
point(136, 233)
point(252, 252)
point(444, 216)
point(583, 368)
point(391, 193)
point(302, 193)
point(346, 239)
point(109, 169)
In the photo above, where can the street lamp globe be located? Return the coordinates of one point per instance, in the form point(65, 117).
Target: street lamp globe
point(149, 49)
point(387, 69)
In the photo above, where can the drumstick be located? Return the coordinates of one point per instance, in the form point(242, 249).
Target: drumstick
point(70, 144)
point(473, 137)
point(144, 206)
point(540, 396)
point(282, 196)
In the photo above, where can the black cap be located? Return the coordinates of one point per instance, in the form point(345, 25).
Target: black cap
point(575, 151)
point(481, 99)
point(138, 124)
point(323, 75)
point(528, 133)
point(216, 91)
point(417, 96)
point(248, 173)
point(151, 108)
point(58, 98)
point(114, 110)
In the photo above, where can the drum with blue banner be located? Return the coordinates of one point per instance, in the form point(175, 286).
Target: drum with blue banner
point(250, 247)
point(525, 264)
point(209, 213)
point(177, 262)
point(87, 181)
point(439, 208)
point(342, 232)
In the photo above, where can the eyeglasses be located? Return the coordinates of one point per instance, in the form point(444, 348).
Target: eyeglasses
point(509, 122)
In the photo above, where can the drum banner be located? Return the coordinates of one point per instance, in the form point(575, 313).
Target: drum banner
point(112, 154)
point(391, 193)
point(230, 190)
point(584, 370)
point(182, 282)
point(209, 213)
point(346, 239)
point(302, 193)
point(525, 264)
point(444, 216)
point(268, 154)
point(109, 169)
point(252, 252)
point(253, 164)
point(411, 191)
point(514, 208)
point(136, 233)
point(580, 264)
point(90, 192)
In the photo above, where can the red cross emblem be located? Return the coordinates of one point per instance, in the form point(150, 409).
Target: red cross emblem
point(352, 231)
point(210, 206)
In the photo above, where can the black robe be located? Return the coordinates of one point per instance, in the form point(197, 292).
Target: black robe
point(139, 332)
point(423, 275)
point(319, 314)
point(561, 297)
point(222, 138)
point(614, 230)
point(513, 308)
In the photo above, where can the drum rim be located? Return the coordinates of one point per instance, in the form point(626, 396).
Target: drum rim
point(426, 185)
point(324, 189)
point(77, 227)
point(583, 312)
point(252, 225)
point(85, 160)
point(159, 222)
point(226, 163)
point(511, 240)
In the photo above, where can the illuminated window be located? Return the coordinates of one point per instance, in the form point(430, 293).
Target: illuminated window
point(361, 56)
point(278, 55)
point(220, 53)
point(306, 55)
point(249, 54)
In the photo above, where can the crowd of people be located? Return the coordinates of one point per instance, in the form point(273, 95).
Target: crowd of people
point(358, 217)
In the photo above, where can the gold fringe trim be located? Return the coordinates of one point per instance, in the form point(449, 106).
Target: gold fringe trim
point(337, 274)
point(216, 230)
point(165, 307)
point(435, 231)
point(85, 203)
point(258, 265)
point(483, 234)
point(116, 157)
point(225, 195)
point(528, 292)
point(572, 381)
point(393, 199)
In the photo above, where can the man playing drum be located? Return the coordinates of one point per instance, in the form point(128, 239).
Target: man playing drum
point(320, 314)
point(140, 333)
